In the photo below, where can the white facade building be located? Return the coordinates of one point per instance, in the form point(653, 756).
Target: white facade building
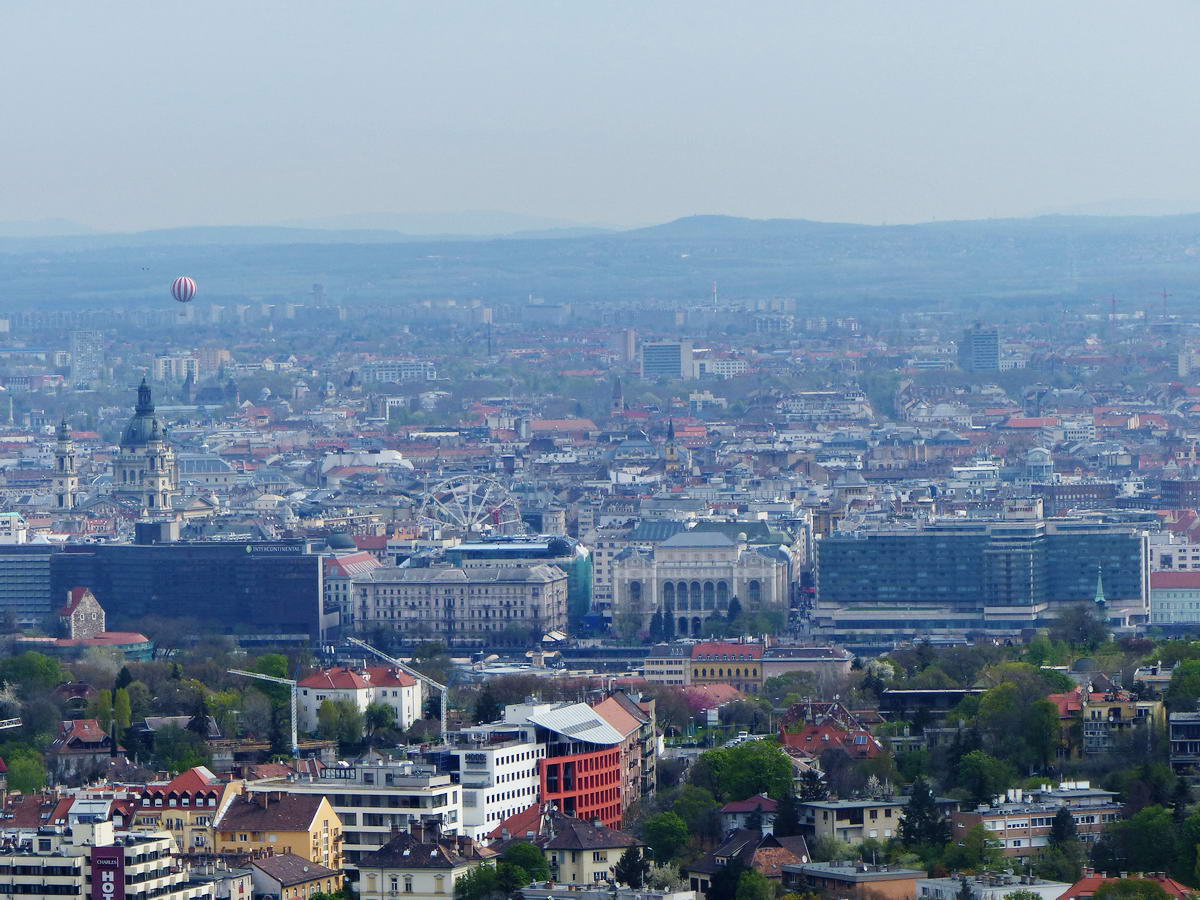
point(499, 772)
point(374, 684)
point(399, 371)
point(1174, 598)
point(1169, 552)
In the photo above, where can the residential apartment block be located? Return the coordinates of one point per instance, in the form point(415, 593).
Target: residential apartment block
point(1020, 822)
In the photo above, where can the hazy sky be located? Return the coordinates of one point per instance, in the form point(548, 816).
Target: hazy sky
point(137, 115)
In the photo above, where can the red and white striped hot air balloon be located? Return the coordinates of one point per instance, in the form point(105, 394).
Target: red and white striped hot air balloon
point(183, 289)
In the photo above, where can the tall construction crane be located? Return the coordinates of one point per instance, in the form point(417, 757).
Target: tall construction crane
point(291, 684)
point(442, 690)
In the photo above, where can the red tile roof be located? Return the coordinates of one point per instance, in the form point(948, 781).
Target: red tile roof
point(757, 803)
point(726, 650)
point(74, 597)
point(351, 564)
point(614, 714)
point(817, 738)
point(1069, 703)
point(344, 678)
point(1089, 884)
point(1175, 579)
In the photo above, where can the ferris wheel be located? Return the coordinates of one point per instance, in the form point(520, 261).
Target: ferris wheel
point(473, 504)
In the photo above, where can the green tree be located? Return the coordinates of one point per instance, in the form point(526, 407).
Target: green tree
point(487, 707)
point(724, 883)
point(699, 811)
point(667, 834)
point(351, 722)
point(754, 767)
point(753, 885)
point(26, 773)
point(481, 883)
point(915, 764)
point(529, 858)
point(1022, 895)
point(735, 609)
point(1146, 840)
point(790, 687)
point(1063, 863)
point(632, 868)
point(122, 709)
point(178, 750)
point(812, 786)
point(830, 849)
point(1062, 829)
point(510, 878)
point(1181, 798)
point(976, 851)
point(1043, 730)
point(1078, 626)
point(379, 717)
point(665, 878)
point(102, 710)
point(198, 723)
point(923, 825)
point(329, 720)
point(1184, 689)
point(983, 776)
point(787, 816)
point(141, 701)
point(32, 672)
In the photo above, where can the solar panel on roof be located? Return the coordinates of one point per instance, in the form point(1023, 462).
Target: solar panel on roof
point(581, 726)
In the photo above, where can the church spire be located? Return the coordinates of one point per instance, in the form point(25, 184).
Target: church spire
point(1099, 598)
point(145, 404)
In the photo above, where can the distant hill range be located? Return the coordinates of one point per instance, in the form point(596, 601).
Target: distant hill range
point(1072, 259)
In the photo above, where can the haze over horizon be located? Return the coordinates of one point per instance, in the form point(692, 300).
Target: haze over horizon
point(149, 116)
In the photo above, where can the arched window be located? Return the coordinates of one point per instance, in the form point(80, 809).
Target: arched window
point(668, 596)
point(722, 595)
point(635, 592)
point(696, 595)
point(683, 624)
point(755, 592)
point(710, 595)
